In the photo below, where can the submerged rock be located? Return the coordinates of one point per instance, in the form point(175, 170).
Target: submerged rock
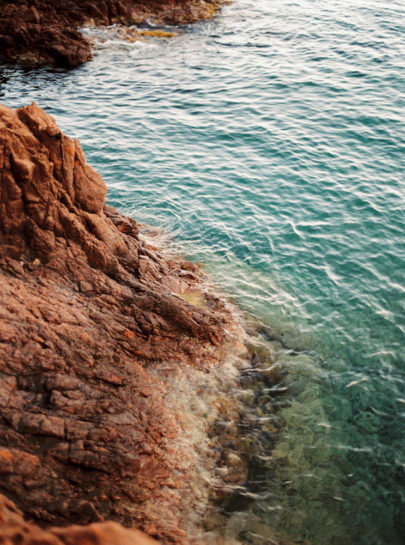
point(37, 32)
point(86, 306)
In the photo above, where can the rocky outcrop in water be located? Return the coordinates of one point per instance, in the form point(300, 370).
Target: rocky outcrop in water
point(86, 305)
point(38, 32)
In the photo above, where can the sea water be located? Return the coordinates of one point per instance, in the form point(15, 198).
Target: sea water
point(271, 141)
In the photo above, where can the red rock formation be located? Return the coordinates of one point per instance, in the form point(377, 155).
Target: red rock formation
point(85, 305)
point(14, 530)
point(37, 32)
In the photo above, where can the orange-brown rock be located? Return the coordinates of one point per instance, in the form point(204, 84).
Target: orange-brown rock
point(14, 530)
point(37, 32)
point(86, 306)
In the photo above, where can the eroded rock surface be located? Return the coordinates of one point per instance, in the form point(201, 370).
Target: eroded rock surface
point(85, 306)
point(13, 529)
point(37, 32)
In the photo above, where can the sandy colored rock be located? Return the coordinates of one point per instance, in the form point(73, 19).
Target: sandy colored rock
point(85, 308)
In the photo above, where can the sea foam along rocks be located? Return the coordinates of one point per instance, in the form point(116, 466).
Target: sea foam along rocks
point(85, 306)
point(37, 32)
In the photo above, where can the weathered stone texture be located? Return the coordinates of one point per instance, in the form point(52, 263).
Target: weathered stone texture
point(85, 305)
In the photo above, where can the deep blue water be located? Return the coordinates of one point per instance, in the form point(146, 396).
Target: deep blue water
point(271, 141)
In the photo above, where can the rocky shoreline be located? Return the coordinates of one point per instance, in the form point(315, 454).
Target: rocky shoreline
point(121, 392)
point(46, 32)
point(93, 319)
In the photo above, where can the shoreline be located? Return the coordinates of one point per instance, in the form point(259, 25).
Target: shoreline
point(36, 33)
point(204, 446)
point(204, 135)
point(90, 430)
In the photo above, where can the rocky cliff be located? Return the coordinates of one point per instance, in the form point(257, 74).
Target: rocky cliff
point(37, 32)
point(86, 307)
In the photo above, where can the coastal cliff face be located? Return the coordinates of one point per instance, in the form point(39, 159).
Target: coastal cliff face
point(38, 32)
point(86, 305)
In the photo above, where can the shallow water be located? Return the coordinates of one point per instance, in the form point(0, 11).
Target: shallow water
point(271, 141)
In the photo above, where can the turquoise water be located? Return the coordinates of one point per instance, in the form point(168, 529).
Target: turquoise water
point(271, 141)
